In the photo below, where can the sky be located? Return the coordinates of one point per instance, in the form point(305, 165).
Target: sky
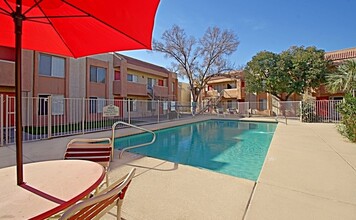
point(272, 25)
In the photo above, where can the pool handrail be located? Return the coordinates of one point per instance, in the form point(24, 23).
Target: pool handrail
point(113, 128)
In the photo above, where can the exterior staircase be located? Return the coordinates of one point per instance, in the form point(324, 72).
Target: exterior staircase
point(211, 102)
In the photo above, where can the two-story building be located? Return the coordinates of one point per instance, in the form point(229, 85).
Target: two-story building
point(67, 82)
point(337, 57)
point(137, 80)
point(228, 92)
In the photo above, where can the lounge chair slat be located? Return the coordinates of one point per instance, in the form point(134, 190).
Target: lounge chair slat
point(87, 154)
point(71, 149)
point(95, 207)
point(94, 159)
point(99, 150)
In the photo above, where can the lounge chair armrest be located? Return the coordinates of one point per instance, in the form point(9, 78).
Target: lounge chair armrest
point(89, 140)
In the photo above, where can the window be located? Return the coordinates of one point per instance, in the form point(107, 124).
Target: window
point(173, 87)
point(96, 105)
point(151, 105)
point(336, 98)
point(263, 104)
point(218, 87)
point(151, 82)
point(43, 105)
point(97, 74)
point(173, 106)
point(231, 86)
point(117, 75)
point(132, 78)
point(132, 105)
point(51, 66)
point(57, 105)
point(160, 82)
point(93, 104)
point(101, 104)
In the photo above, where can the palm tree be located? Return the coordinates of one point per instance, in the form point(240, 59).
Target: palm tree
point(344, 79)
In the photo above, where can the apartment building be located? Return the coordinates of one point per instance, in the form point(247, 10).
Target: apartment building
point(226, 89)
point(337, 57)
point(135, 79)
point(65, 81)
point(228, 92)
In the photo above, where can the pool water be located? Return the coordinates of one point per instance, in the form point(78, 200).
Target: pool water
point(236, 148)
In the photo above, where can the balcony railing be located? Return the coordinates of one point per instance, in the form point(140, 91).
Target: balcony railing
point(116, 87)
point(231, 93)
point(236, 93)
point(212, 93)
point(136, 89)
point(160, 91)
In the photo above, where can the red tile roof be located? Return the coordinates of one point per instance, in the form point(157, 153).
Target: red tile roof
point(341, 54)
point(141, 63)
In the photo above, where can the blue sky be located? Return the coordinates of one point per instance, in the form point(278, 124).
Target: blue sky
point(272, 25)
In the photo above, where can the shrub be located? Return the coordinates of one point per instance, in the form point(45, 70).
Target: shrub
point(308, 112)
point(347, 110)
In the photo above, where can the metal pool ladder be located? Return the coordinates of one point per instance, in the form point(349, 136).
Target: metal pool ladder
point(133, 126)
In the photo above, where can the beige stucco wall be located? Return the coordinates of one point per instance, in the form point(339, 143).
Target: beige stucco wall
point(184, 94)
point(7, 73)
point(77, 78)
point(109, 59)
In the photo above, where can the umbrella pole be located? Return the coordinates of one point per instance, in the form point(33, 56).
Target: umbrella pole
point(18, 18)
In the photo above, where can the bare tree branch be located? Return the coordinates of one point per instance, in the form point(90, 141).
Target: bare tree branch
point(198, 60)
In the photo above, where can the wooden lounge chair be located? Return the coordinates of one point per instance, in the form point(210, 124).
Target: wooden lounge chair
point(99, 205)
point(97, 150)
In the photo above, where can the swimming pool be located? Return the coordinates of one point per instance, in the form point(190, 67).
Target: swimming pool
point(236, 148)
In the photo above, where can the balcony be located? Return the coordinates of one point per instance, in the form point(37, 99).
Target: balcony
point(212, 93)
point(138, 89)
point(160, 91)
point(129, 88)
point(116, 87)
point(230, 93)
point(236, 93)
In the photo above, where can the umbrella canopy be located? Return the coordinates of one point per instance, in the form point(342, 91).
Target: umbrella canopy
point(72, 28)
point(80, 27)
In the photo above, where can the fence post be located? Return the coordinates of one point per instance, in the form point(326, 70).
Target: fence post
point(7, 119)
point(1, 120)
point(129, 111)
point(301, 111)
point(157, 107)
point(83, 115)
point(49, 117)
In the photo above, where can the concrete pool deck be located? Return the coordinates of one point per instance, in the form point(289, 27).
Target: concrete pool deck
point(309, 173)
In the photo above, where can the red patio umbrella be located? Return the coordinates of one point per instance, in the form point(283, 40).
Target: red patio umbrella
point(72, 28)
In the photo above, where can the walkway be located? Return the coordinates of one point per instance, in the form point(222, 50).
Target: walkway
point(309, 173)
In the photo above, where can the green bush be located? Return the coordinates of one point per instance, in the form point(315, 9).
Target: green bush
point(347, 110)
point(309, 113)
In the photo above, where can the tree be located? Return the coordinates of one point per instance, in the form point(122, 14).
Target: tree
point(197, 60)
point(292, 71)
point(344, 79)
